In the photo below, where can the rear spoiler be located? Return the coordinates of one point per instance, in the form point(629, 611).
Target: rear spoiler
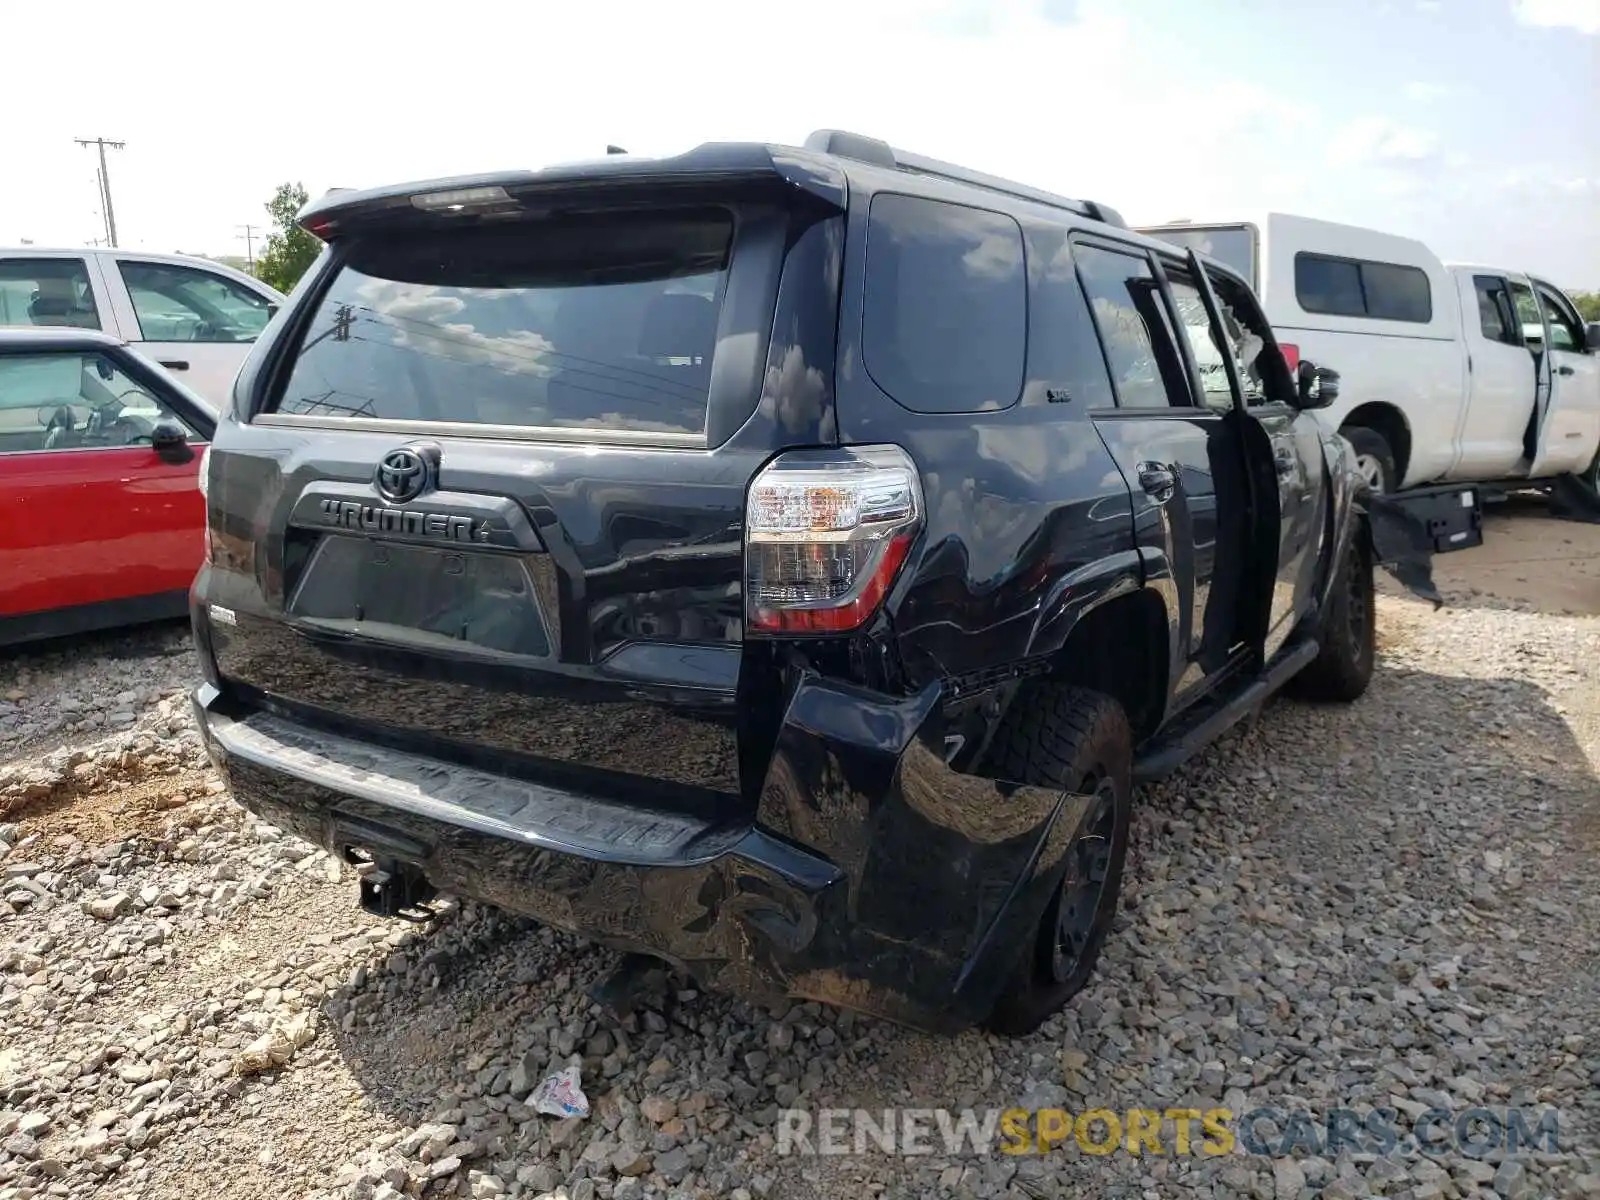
point(523, 193)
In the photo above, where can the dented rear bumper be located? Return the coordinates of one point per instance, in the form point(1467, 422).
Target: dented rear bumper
point(873, 876)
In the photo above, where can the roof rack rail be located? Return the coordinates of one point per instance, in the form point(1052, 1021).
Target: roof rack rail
point(879, 153)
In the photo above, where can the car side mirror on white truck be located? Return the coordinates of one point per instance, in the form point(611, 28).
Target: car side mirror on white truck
point(1591, 336)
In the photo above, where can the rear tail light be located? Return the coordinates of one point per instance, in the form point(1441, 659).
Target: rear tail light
point(825, 533)
point(205, 498)
point(1291, 357)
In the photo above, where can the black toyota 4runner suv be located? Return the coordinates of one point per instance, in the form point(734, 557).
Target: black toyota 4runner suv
point(780, 561)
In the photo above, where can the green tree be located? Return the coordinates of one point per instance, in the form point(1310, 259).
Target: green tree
point(1588, 304)
point(290, 250)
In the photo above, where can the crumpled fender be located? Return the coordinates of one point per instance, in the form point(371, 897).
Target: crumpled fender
point(1399, 540)
point(1401, 544)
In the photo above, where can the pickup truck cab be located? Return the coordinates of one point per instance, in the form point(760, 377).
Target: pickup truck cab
point(195, 317)
point(1449, 374)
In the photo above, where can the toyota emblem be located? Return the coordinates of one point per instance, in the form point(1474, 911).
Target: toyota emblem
point(402, 476)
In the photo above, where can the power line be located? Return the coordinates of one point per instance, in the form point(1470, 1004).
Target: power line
point(105, 182)
point(248, 235)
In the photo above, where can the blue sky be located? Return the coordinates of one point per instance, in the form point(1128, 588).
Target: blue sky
point(1472, 124)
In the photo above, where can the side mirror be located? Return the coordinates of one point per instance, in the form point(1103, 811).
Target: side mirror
point(1591, 339)
point(170, 442)
point(272, 311)
point(1319, 386)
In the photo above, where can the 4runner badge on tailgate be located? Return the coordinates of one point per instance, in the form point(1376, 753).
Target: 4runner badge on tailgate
point(411, 522)
point(403, 475)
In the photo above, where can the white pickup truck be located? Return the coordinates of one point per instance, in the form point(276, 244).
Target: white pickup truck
point(1449, 374)
point(195, 317)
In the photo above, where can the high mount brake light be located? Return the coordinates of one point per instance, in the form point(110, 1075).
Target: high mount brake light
point(826, 531)
point(461, 199)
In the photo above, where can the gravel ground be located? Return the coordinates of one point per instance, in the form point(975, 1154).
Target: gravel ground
point(1394, 904)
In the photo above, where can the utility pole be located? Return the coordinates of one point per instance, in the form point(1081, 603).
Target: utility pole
point(249, 245)
point(105, 182)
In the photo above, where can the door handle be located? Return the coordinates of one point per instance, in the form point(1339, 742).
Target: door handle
point(1158, 480)
point(175, 364)
point(1563, 370)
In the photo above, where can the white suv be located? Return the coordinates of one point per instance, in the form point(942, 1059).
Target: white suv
point(195, 317)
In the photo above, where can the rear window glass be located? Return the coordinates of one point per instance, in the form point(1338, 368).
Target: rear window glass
point(592, 323)
point(946, 317)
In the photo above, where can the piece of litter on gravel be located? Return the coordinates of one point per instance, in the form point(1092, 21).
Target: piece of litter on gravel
point(277, 1046)
point(561, 1095)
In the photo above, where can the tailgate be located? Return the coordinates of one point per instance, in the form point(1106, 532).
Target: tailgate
point(492, 508)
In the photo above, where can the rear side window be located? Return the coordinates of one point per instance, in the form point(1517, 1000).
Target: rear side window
point(47, 291)
point(1348, 287)
point(606, 322)
point(1140, 343)
point(946, 309)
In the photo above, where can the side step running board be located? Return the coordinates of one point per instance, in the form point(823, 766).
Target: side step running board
point(1164, 758)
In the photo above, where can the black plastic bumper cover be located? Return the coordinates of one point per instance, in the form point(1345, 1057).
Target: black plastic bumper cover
point(874, 877)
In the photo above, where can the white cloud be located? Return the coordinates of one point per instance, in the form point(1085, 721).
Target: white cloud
point(1378, 141)
point(1582, 15)
point(1421, 92)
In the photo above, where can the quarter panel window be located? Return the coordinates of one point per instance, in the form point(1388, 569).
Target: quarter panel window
point(1063, 347)
point(945, 320)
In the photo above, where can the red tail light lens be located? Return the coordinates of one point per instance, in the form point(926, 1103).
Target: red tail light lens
point(204, 482)
point(1291, 357)
point(826, 531)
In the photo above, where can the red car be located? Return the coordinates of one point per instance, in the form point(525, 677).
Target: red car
point(102, 521)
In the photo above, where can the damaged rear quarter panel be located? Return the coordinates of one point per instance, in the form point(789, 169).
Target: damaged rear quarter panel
point(944, 875)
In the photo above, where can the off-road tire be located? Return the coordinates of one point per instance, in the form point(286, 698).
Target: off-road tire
point(1369, 443)
point(1066, 737)
point(1348, 633)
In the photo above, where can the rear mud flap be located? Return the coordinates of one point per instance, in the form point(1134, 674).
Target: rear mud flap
point(1401, 544)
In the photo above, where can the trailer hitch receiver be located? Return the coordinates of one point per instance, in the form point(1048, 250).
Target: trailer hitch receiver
point(390, 888)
